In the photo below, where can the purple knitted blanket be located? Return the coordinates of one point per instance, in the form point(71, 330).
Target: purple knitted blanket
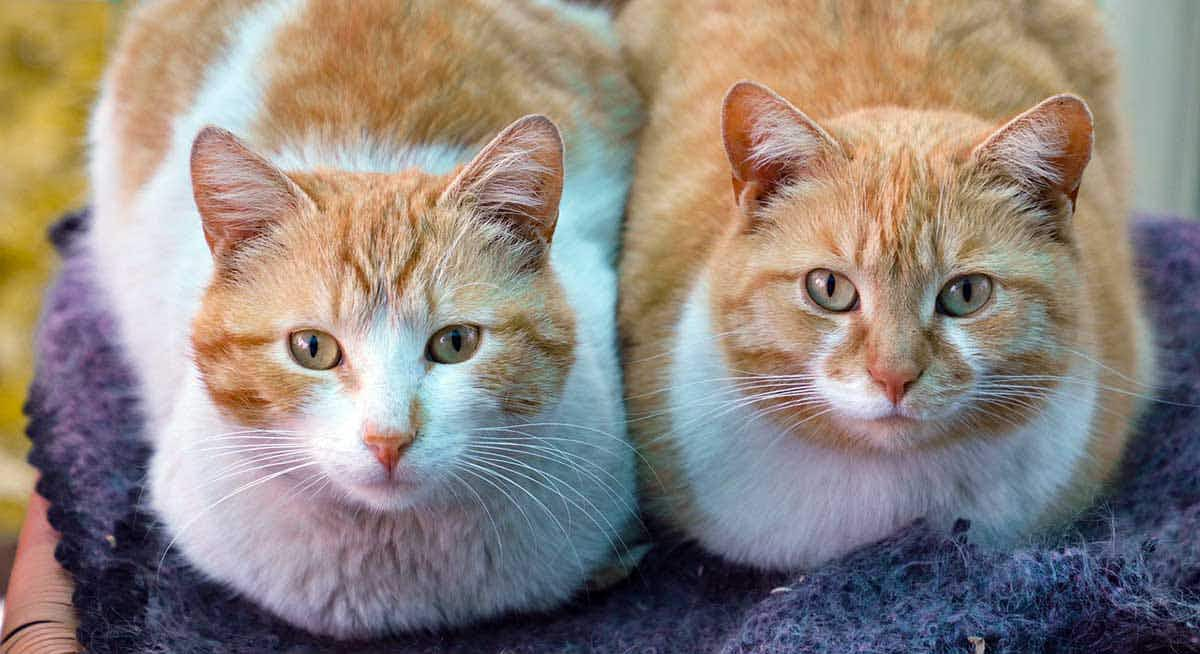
point(1127, 579)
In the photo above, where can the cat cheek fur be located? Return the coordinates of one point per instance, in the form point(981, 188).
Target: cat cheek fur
point(247, 373)
point(527, 369)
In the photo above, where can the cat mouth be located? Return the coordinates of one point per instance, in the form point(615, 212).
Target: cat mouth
point(390, 482)
point(895, 420)
point(393, 480)
point(890, 429)
point(890, 425)
point(385, 493)
point(891, 416)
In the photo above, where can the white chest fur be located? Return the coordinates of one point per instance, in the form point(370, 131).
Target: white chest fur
point(778, 501)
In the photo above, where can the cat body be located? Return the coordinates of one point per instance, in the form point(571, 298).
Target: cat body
point(336, 276)
point(875, 159)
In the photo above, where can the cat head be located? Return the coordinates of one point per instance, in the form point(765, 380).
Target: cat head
point(900, 278)
point(360, 328)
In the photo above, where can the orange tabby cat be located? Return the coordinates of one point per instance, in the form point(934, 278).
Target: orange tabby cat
point(372, 307)
point(909, 303)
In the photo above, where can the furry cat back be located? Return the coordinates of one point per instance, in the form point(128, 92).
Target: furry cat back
point(371, 298)
point(916, 297)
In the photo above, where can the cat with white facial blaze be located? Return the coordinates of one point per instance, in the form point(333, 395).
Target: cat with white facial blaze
point(370, 305)
point(916, 299)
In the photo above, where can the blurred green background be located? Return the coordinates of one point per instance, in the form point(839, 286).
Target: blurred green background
point(51, 56)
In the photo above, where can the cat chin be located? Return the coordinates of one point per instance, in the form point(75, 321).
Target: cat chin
point(894, 432)
point(886, 428)
point(888, 434)
point(393, 494)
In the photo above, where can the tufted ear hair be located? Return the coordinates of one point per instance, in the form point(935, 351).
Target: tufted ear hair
point(769, 142)
point(516, 180)
point(239, 193)
point(1043, 153)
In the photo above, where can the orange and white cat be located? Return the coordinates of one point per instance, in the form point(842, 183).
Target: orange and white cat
point(913, 302)
point(373, 321)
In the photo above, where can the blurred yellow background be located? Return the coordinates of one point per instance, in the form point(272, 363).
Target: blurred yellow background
point(51, 56)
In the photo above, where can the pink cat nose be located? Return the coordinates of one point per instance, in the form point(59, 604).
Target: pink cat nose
point(388, 446)
point(895, 380)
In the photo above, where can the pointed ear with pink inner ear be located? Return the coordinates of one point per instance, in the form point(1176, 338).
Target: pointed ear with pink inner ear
point(240, 194)
point(769, 142)
point(516, 181)
point(1043, 152)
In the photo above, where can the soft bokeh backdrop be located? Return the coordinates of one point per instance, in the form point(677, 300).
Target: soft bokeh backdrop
point(51, 54)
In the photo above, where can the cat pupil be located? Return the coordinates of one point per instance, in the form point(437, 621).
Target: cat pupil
point(830, 285)
point(966, 290)
point(312, 346)
point(456, 340)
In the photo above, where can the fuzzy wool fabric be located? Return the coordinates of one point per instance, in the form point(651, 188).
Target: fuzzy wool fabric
point(1126, 578)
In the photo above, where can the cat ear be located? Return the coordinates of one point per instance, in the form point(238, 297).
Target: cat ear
point(1044, 152)
point(769, 142)
point(516, 180)
point(240, 194)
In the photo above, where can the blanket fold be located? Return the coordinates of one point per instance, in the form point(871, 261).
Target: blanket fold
point(1126, 578)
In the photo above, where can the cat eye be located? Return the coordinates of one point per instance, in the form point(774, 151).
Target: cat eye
point(314, 349)
point(453, 344)
point(830, 290)
point(964, 295)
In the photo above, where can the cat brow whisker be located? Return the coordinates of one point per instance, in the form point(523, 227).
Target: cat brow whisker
point(453, 290)
point(439, 273)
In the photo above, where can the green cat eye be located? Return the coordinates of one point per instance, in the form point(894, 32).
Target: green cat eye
point(964, 295)
point(830, 290)
point(314, 349)
point(453, 344)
